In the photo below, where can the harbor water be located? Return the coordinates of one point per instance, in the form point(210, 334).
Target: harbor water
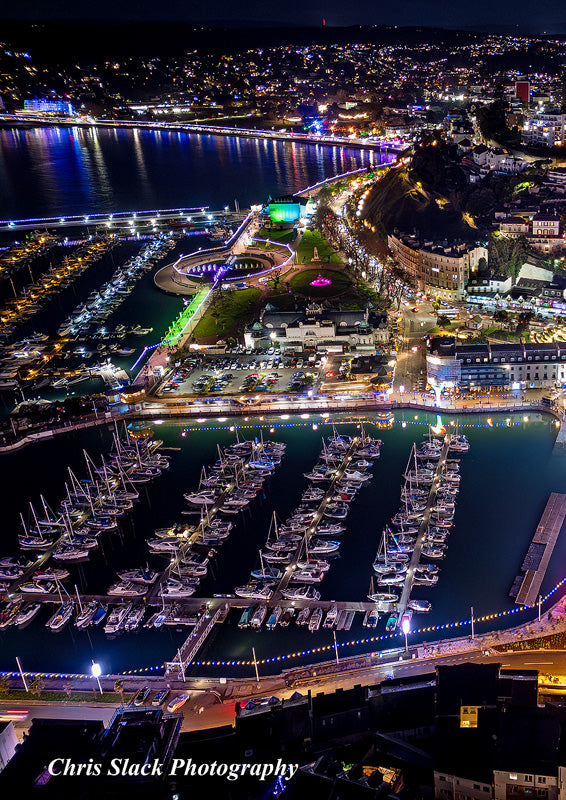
point(506, 479)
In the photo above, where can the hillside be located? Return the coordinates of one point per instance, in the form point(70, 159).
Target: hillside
point(397, 202)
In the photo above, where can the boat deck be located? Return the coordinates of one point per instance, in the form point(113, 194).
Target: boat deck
point(538, 555)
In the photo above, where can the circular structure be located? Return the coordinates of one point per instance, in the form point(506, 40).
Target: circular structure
point(242, 266)
point(317, 283)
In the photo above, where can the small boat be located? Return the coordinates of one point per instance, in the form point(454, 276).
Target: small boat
point(27, 614)
point(331, 616)
point(117, 617)
point(58, 621)
point(419, 605)
point(391, 623)
point(86, 615)
point(258, 617)
point(315, 620)
point(300, 593)
point(273, 619)
point(246, 617)
point(303, 616)
point(99, 615)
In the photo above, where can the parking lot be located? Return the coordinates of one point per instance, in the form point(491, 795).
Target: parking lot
point(244, 373)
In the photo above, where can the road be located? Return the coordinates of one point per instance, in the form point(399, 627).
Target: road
point(410, 371)
point(215, 713)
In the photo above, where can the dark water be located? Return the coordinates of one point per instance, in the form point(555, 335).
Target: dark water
point(506, 478)
point(45, 172)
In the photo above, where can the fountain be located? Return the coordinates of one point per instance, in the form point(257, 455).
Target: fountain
point(321, 281)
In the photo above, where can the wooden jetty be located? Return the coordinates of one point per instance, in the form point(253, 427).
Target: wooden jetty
point(540, 551)
point(288, 573)
point(423, 528)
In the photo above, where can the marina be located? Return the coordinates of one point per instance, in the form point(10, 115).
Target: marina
point(342, 588)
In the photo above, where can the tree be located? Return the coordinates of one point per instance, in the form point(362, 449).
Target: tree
point(4, 685)
point(444, 321)
point(36, 685)
point(119, 688)
point(68, 688)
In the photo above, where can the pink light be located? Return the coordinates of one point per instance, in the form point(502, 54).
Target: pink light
point(320, 281)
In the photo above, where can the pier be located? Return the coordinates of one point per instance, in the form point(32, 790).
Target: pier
point(423, 528)
point(196, 639)
point(538, 555)
point(287, 575)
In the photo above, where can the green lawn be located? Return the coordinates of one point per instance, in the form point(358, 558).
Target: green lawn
point(305, 249)
point(285, 236)
point(75, 697)
point(301, 282)
point(227, 312)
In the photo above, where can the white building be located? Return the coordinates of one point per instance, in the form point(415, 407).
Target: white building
point(545, 129)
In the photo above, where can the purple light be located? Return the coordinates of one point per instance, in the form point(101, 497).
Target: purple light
point(320, 281)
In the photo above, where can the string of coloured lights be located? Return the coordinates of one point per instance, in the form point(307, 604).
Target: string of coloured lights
point(228, 662)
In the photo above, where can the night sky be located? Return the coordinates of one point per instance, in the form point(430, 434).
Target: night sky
point(544, 16)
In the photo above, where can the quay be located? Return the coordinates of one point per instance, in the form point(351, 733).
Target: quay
point(540, 550)
point(423, 528)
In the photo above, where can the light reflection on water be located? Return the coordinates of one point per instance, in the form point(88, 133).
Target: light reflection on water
point(506, 479)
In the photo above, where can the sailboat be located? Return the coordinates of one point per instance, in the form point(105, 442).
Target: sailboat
point(266, 573)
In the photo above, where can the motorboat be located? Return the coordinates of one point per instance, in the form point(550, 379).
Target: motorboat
point(300, 593)
point(255, 591)
point(331, 616)
point(315, 620)
point(84, 618)
point(174, 587)
point(146, 576)
point(126, 589)
point(273, 618)
point(303, 616)
point(28, 613)
point(258, 617)
point(419, 606)
point(307, 575)
point(117, 617)
point(61, 617)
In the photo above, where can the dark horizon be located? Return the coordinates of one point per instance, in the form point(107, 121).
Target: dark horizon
point(506, 16)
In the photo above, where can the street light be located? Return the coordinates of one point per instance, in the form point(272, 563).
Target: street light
point(406, 627)
point(96, 673)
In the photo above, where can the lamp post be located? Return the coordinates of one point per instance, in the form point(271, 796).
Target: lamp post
point(96, 673)
point(406, 627)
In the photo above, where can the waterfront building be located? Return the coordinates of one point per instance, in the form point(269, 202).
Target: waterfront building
point(439, 270)
point(514, 365)
point(320, 329)
point(41, 105)
point(285, 211)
